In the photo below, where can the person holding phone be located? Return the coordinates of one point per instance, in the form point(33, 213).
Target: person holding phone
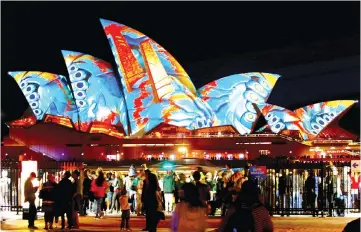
point(29, 194)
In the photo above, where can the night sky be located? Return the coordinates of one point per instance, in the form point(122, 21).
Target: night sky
point(204, 37)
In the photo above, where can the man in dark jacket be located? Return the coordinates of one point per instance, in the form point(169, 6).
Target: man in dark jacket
point(86, 192)
point(311, 185)
point(203, 189)
point(149, 199)
point(284, 188)
point(64, 197)
point(48, 195)
point(29, 194)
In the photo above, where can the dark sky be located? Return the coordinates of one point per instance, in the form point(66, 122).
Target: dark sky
point(196, 33)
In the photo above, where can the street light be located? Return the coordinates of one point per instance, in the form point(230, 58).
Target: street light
point(182, 150)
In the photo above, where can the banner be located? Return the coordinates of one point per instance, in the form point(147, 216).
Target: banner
point(355, 166)
point(258, 171)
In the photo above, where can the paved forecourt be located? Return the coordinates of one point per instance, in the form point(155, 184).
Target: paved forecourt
point(112, 223)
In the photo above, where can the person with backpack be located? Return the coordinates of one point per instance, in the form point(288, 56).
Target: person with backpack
point(47, 194)
point(190, 213)
point(247, 213)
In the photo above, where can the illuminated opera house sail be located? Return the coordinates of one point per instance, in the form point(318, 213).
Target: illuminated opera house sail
point(150, 88)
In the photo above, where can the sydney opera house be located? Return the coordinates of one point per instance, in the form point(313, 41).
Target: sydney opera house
point(148, 107)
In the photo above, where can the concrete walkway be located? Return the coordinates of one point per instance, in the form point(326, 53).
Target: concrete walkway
point(111, 223)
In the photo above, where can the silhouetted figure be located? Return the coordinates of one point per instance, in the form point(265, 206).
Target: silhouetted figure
point(352, 226)
point(247, 213)
point(47, 194)
point(311, 185)
point(64, 192)
point(150, 200)
point(86, 192)
point(203, 189)
point(29, 194)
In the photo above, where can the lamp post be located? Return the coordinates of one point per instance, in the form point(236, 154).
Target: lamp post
point(321, 195)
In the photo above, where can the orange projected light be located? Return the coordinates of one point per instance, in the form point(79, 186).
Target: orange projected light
point(58, 120)
point(106, 129)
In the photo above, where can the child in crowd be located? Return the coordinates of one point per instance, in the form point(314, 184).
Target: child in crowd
point(124, 205)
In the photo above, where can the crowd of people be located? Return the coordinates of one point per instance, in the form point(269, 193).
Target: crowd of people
point(189, 199)
point(58, 200)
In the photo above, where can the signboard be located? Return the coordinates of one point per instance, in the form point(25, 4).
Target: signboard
point(355, 166)
point(258, 171)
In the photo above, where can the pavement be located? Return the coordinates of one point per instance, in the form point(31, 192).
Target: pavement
point(112, 223)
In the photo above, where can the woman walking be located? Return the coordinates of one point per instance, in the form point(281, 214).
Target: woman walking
point(99, 185)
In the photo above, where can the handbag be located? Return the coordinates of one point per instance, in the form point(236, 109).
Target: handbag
point(160, 208)
point(159, 201)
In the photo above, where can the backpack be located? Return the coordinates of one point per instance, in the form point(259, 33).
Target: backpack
point(241, 221)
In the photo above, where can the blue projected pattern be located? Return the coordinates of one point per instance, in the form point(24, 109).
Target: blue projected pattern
point(96, 91)
point(231, 98)
point(46, 93)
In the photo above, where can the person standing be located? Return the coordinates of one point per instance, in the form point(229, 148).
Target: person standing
point(64, 197)
point(86, 192)
point(47, 194)
point(168, 188)
point(285, 190)
point(76, 206)
point(179, 186)
point(118, 186)
point(151, 203)
point(247, 213)
point(137, 186)
point(129, 186)
point(203, 189)
point(98, 187)
point(311, 185)
point(29, 194)
point(124, 205)
point(93, 203)
point(110, 191)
